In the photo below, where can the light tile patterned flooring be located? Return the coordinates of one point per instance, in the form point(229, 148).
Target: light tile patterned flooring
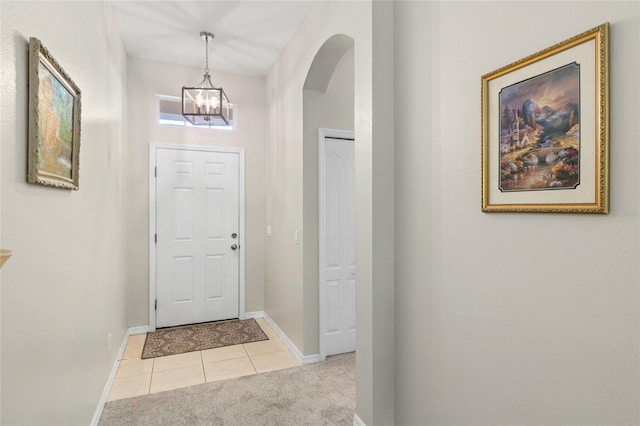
point(137, 376)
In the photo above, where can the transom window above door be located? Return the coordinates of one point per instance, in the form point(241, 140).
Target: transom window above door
point(170, 113)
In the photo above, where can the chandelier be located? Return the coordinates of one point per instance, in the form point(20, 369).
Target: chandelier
point(205, 104)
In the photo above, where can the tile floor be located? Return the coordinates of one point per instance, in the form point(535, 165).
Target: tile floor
point(137, 376)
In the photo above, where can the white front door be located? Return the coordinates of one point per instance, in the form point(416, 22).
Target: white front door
point(197, 220)
point(337, 245)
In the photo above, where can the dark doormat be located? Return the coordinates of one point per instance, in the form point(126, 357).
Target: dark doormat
point(178, 340)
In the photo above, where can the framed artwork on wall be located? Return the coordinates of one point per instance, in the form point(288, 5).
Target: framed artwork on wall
point(545, 130)
point(54, 122)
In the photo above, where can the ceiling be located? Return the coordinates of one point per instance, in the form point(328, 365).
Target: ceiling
point(249, 35)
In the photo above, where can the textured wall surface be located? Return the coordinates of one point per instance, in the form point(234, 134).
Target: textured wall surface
point(64, 289)
point(508, 318)
point(332, 109)
point(145, 80)
point(284, 162)
point(284, 165)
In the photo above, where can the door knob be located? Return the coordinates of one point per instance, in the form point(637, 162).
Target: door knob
point(234, 247)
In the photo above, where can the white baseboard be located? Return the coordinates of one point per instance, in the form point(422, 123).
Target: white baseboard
point(303, 359)
point(114, 369)
point(310, 359)
point(255, 314)
point(141, 329)
point(357, 421)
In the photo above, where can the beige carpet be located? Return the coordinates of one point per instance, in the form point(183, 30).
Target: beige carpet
point(314, 394)
point(198, 337)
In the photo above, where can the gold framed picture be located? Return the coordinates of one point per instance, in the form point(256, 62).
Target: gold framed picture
point(54, 122)
point(545, 130)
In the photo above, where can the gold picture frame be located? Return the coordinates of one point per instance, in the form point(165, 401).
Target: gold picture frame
point(545, 130)
point(54, 122)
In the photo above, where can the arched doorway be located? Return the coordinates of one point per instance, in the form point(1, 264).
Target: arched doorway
point(328, 103)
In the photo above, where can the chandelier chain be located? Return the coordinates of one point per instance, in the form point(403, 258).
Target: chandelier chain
point(206, 55)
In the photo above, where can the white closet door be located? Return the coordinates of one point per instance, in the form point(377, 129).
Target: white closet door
point(338, 236)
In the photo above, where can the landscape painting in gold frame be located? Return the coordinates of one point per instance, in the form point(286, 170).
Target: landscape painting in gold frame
point(545, 130)
point(54, 122)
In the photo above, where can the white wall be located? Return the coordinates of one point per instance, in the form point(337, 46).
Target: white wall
point(145, 80)
point(284, 295)
point(332, 109)
point(508, 318)
point(284, 299)
point(64, 289)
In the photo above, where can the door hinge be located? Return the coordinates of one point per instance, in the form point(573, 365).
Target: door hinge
point(155, 238)
point(155, 171)
point(155, 306)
